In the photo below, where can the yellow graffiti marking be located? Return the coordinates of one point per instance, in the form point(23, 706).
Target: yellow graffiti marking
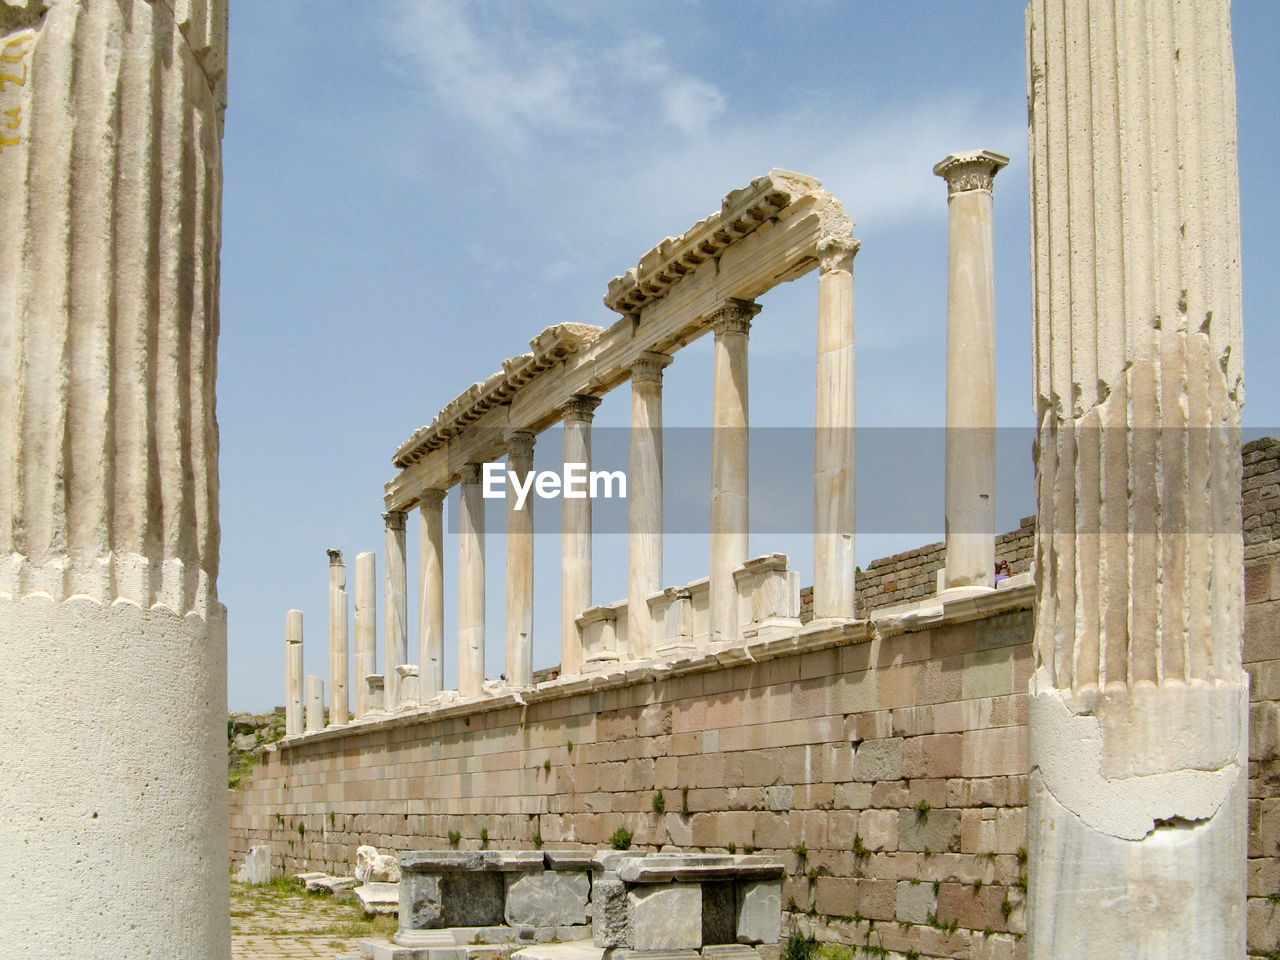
point(9, 142)
point(15, 118)
point(16, 42)
point(10, 78)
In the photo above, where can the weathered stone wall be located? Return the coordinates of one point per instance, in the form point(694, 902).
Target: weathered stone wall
point(1261, 499)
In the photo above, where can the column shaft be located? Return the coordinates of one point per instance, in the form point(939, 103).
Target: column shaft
point(315, 704)
point(396, 603)
point(471, 584)
point(575, 542)
point(294, 703)
point(1138, 733)
point(971, 369)
point(431, 595)
point(339, 655)
point(644, 555)
point(520, 565)
point(834, 474)
point(730, 465)
point(366, 629)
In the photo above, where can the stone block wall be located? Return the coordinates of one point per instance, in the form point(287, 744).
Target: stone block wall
point(1262, 661)
point(1261, 499)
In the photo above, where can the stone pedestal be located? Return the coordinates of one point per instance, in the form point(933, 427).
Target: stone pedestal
point(431, 595)
point(471, 584)
point(294, 688)
point(395, 603)
point(971, 369)
point(730, 464)
point(1138, 738)
point(339, 649)
point(644, 554)
point(520, 566)
point(575, 536)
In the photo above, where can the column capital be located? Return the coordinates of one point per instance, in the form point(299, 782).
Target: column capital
point(335, 558)
point(394, 519)
point(648, 367)
point(733, 316)
point(432, 497)
point(836, 254)
point(520, 443)
point(470, 473)
point(972, 170)
point(580, 407)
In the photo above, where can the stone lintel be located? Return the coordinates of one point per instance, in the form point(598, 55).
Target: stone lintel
point(665, 868)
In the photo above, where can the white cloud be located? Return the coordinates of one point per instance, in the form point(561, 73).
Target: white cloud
point(690, 105)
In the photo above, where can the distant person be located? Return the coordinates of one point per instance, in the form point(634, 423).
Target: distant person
point(1002, 570)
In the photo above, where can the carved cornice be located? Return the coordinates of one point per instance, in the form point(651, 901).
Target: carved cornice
point(520, 443)
point(837, 253)
point(733, 317)
point(394, 519)
point(580, 408)
point(974, 170)
point(649, 366)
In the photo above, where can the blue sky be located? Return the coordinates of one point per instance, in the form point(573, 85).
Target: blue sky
point(415, 188)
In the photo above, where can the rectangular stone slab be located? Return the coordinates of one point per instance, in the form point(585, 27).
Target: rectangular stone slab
point(665, 867)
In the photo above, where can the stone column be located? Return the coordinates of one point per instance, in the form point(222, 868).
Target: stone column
point(293, 704)
point(520, 565)
point(1138, 736)
point(315, 704)
point(644, 555)
point(471, 584)
point(339, 647)
point(575, 542)
point(396, 603)
point(430, 595)
point(834, 474)
point(730, 465)
point(971, 370)
point(366, 629)
point(110, 223)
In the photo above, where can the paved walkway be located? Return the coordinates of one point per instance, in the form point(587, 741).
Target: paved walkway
point(280, 922)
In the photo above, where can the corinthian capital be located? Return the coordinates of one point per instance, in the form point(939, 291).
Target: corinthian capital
point(734, 316)
point(836, 253)
point(974, 170)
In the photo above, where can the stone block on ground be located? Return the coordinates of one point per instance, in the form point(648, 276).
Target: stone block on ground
point(549, 898)
point(759, 912)
point(665, 916)
point(376, 897)
point(256, 868)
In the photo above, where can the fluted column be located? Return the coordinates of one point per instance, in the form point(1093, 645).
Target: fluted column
point(520, 565)
point(366, 628)
point(294, 690)
point(730, 464)
point(644, 555)
point(110, 198)
point(834, 473)
point(1138, 735)
point(471, 584)
point(575, 535)
point(339, 696)
point(971, 370)
point(396, 607)
point(431, 595)
point(315, 704)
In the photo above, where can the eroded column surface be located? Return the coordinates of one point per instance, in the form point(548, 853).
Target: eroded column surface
point(520, 565)
point(1138, 709)
point(294, 683)
point(971, 369)
point(339, 643)
point(834, 474)
point(396, 606)
point(366, 629)
point(110, 197)
point(471, 583)
point(315, 704)
point(575, 534)
point(644, 556)
point(730, 464)
point(430, 595)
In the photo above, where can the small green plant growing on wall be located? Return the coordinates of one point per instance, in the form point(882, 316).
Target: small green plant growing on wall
point(859, 848)
point(484, 838)
point(659, 802)
point(684, 800)
point(546, 765)
point(922, 811)
point(454, 838)
point(801, 851)
point(800, 948)
point(302, 830)
point(537, 840)
point(621, 839)
point(570, 746)
point(731, 847)
point(332, 817)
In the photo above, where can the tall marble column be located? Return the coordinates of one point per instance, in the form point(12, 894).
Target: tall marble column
point(110, 223)
point(834, 473)
point(1138, 733)
point(644, 555)
point(315, 704)
point(575, 534)
point(471, 583)
point(366, 628)
point(971, 370)
point(730, 465)
point(339, 646)
point(431, 595)
point(294, 695)
point(396, 607)
point(520, 565)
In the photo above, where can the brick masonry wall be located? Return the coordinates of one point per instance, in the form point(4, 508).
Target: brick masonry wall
point(1261, 499)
